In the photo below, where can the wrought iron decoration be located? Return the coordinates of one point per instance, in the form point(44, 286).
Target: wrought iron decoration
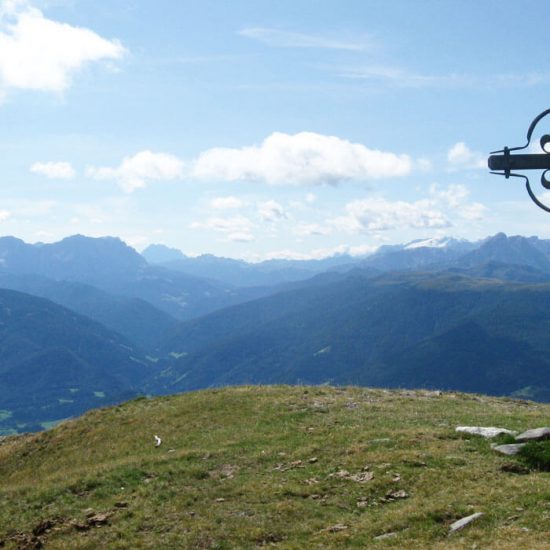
point(503, 163)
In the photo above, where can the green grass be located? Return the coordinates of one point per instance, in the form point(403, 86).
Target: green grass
point(262, 466)
point(536, 454)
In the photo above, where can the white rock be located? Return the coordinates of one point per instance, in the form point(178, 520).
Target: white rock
point(461, 523)
point(484, 432)
point(385, 536)
point(508, 450)
point(536, 434)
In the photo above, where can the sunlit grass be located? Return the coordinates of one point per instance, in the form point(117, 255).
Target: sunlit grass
point(253, 466)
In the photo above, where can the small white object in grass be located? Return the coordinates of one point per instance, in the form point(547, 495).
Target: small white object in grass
point(158, 441)
point(461, 523)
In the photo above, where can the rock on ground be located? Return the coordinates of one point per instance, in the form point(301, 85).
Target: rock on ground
point(509, 450)
point(461, 523)
point(537, 434)
point(484, 431)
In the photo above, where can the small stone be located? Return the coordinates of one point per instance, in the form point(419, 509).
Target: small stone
point(537, 434)
point(461, 523)
point(220, 499)
point(99, 519)
point(508, 450)
point(362, 503)
point(89, 512)
point(311, 481)
point(394, 495)
point(313, 460)
point(121, 504)
point(489, 432)
point(362, 477)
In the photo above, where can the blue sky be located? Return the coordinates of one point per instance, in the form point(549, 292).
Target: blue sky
point(261, 129)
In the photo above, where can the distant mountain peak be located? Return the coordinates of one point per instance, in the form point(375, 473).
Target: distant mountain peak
point(433, 242)
point(160, 253)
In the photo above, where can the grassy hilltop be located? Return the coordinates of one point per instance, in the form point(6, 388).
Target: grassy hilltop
point(286, 467)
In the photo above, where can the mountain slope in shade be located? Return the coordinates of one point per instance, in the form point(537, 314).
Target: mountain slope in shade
point(363, 331)
point(135, 319)
point(239, 273)
point(76, 258)
point(430, 253)
point(517, 250)
point(55, 363)
point(112, 266)
point(160, 253)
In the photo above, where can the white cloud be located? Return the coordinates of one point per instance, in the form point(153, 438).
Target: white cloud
point(311, 198)
point(271, 211)
point(54, 170)
point(378, 214)
point(286, 39)
point(37, 53)
point(236, 228)
point(404, 78)
point(320, 253)
point(240, 237)
point(307, 229)
point(227, 203)
point(461, 156)
point(4, 215)
point(305, 158)
point(137, 171)
point(473, 212)
point(455, 199)
point(439, 211)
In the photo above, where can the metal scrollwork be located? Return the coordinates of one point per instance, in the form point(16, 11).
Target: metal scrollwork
point(504, 164)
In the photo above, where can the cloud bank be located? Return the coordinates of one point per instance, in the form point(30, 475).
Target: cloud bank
point(37, 53)
point(305, 158)
point(137, 171)
point(378, 214)
point(461, 156)
point(54, 170)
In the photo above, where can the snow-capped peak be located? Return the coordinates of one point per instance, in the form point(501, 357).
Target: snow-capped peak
point(434, 242)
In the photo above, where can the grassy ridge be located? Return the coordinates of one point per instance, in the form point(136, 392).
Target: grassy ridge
point(254, 466)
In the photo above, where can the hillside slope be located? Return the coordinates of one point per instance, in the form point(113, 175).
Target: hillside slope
point(135, 319)
point(438, 331)
point(289, 467)
point(55, 363)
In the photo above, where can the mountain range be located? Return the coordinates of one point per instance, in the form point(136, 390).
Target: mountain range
point(86, 322)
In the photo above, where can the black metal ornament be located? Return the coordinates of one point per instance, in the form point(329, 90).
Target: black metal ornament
point(503, 163)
